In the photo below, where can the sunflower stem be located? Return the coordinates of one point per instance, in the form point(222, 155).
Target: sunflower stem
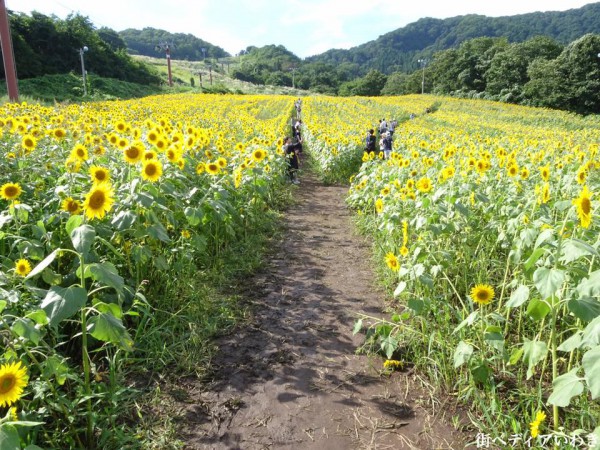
point(86, 363)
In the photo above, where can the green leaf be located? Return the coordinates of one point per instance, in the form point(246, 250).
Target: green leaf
point(389, 345)
point(591, 366)
point(357, 326)
point(481, 373)
point(518, 297)
point(61, 303)
point(400, 288)
point(596, 437)
point(534, 352)
point(27, 330)
point(468, 321)
point(417, 305)
point(158, 231)
point(573, 249)
point(33, 447)
point(124, 220)
point(42, 265)
point(494, 337)
point(538, 309)
point(535, 255)
point(83, 238)
point(543, 237)
point(106, 327)
point(57, 368)
point(547, 281)
point(515, 356)
point(565, 387)
point(9, 437)
point(591, 334)
point(462, 354)
point(73, 222)
point(585, 308)
point(3, 304)
point(38, 316)
point(111, 308)
point(590, 287)
point(106, 273)
point(572, 343)
point(193, 216)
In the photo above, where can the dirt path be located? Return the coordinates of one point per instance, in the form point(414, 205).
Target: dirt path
point(290, 379)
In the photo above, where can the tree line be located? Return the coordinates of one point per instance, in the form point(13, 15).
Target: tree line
point(47, 45)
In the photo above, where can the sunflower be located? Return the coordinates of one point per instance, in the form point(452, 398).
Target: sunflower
point(535, 425)
point(212, 168)
point(58, 133)
point(98, 201)
point(22, 267)
point(79, 152)
point(584, 207)
point(581, 176)
point(10, 191)
point(200, 168)
point(99, 174)
point(122, 143)
point(524, 173)
point(379, 205)
point(222, 162)
point(424, 185)
point(545, 172)
point(71, 205)
point(28, 142)
point(152, 170)
point(73, 165)
point(259, 154)
point(513, 170)
point(392, 262)
point(150, 154)
point(404, 250)
point(13, 378)
point(153, 136)
point(133, 154)
point(482, 294)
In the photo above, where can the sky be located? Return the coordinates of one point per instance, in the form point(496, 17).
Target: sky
point(305, 27)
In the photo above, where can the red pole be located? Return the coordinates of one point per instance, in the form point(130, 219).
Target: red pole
point(169, 65)
point(10, 70)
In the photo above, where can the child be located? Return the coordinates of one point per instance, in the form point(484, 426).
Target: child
point(291, 152)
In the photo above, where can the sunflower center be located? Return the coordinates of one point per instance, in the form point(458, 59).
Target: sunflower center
point(72, 206)
point(150, 169)
point(97, 200)
point(7, 383)
point(100, 176)
point(483, 295)
point(586, 206)
point(10, 191)
point(132, 152)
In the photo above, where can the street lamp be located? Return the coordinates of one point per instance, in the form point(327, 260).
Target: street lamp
point(423, 62)
point(82, 50)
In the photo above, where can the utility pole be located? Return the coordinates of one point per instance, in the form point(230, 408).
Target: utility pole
point(8, 56)
point(82, 50)
point(210, 73)
point(293, 70)
point(423, 62)
point(200, 76)
point(166, 47)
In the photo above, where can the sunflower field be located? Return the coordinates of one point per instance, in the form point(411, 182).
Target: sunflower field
point(103, 207)
point(485, 227)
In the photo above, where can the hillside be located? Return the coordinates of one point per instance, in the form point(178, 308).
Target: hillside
point(399, 50)
point(183, 46)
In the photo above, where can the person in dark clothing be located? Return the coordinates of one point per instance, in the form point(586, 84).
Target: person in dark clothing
point(371, 141)
point(291, 153)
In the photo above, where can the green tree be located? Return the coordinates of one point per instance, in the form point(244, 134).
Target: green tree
point(507, 74)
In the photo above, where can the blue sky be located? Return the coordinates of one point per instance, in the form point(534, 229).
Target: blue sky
point(305, 27)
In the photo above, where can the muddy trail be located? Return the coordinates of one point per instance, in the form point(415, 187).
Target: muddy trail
point(290, 378)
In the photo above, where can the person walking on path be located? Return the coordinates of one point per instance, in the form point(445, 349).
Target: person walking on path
point(290, 151)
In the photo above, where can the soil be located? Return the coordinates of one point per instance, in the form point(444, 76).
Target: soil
point(290, 378)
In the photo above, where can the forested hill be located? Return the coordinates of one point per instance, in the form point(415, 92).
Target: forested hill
point(185, 46)
point(399, 50)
